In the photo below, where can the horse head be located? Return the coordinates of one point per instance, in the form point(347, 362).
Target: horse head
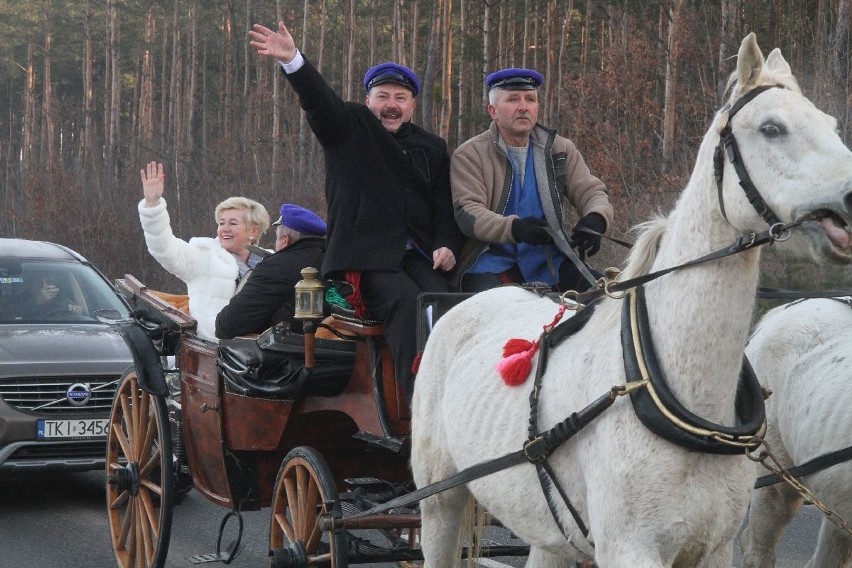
point(780, 160)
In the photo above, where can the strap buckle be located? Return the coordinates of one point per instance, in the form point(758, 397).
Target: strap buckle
point(536, 449)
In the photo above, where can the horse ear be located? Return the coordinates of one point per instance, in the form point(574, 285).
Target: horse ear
point(750, 62)
point(777, 64)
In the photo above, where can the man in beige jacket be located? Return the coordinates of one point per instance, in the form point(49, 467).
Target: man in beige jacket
point(510, 186)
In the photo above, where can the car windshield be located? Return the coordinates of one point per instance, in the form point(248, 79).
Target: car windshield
point(56, 291)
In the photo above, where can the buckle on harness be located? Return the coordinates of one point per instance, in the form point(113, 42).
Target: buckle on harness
point(536, 449)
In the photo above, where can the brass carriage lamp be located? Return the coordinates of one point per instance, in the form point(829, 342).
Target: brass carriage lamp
point(309, 296)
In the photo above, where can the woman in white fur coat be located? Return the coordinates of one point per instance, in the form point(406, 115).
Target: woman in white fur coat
point(211, 267)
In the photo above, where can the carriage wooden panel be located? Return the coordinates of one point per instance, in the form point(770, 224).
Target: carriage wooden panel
point(202, 415)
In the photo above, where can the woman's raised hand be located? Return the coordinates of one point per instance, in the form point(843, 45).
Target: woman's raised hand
point(153, 183)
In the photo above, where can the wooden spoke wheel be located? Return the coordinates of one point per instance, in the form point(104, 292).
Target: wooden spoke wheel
point(139, 476)
point(303, 491)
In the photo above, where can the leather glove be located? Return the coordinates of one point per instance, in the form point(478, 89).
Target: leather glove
point(530, 230)
point(588, 244)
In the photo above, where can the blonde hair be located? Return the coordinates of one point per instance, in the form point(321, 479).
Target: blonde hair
point(255, 213)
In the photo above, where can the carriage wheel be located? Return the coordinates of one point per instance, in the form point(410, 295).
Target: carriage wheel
point(304, 489)
point(139, 476)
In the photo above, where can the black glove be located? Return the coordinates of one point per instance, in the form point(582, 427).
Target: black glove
point(530, 230)
point(588, 244)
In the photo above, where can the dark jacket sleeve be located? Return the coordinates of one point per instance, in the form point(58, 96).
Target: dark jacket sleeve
point(447, 232)
point(252, 309)
point(325, 111)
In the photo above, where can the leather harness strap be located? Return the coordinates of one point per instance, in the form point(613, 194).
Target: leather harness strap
point(658, 408)
point(729, 143)
point(824, 461)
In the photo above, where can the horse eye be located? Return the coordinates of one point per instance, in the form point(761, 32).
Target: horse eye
point(772, 130)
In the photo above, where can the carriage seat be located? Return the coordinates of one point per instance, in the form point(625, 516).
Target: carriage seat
point(273, 366)
point(345, 319)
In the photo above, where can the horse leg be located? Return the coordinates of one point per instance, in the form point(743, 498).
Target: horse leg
point(834, 548)
point(440, 530)
point(541, 559)
point(772, 508)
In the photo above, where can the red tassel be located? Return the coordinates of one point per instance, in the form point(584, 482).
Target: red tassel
point(515, 369)
point(415, 365)
point(516, 345)
point(518, 355)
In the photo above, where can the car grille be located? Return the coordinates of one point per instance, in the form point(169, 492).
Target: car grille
point(47, 395)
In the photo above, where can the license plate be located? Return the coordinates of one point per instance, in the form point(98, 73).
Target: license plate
point(81, 428)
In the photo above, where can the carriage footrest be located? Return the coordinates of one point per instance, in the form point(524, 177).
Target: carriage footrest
point(213, 557)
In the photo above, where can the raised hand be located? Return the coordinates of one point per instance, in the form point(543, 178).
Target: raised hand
point(153, 183)
point(279, 45)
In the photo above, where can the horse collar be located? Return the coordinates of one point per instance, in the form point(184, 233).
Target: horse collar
point(729, 143)
point(658, 408)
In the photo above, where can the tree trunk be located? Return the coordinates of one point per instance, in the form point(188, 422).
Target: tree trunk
point(669, 102)
point(727, 46)
point(587, 39)
point(841, 64)
point(550, 85)
point(48, 138)
point(447, 72)
point(487, 46)
point(192, 88)
point(428, 121)
point(87, 142)
point(229, 71)
point(146, 90)
point(114, 90)
point(461, 84)
point(565, 36)
point(28, 153)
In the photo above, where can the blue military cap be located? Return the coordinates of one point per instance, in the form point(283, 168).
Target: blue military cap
point(301, 220)
point(514, 79)
point(392, 73)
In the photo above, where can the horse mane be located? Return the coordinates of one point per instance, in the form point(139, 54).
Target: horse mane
point(639, 262)
point(644, 250)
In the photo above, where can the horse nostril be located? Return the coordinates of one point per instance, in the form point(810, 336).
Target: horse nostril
point(847, 199)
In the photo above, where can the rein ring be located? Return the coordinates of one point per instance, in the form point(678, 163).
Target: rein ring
point(779, 232)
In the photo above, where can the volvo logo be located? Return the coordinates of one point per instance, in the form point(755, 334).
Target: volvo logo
point(78, 394)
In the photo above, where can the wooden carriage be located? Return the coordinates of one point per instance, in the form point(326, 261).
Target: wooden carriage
point(331, 443)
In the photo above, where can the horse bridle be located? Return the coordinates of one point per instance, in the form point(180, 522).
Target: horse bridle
point(728, 144)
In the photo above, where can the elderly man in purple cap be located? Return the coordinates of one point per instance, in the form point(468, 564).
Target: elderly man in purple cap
point(391, 231)
point(509, 187)
point(268, 295)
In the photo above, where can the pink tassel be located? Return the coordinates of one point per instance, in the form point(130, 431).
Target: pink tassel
point(516, 345)
point(515, 369)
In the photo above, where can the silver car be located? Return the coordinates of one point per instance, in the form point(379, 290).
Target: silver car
point(59, 362)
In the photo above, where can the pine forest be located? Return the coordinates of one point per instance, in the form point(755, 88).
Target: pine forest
point(91, 90)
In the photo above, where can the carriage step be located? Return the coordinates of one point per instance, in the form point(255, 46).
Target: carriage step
point(367, 483)
point(213, 557)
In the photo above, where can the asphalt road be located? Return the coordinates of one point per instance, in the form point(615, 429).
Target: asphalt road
point(59, 521)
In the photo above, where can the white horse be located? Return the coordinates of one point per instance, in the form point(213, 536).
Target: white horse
point(646, 501)
point(803, 353)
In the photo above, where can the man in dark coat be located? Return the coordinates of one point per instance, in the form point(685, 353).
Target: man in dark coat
point(268, 296)
point(391, 228)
